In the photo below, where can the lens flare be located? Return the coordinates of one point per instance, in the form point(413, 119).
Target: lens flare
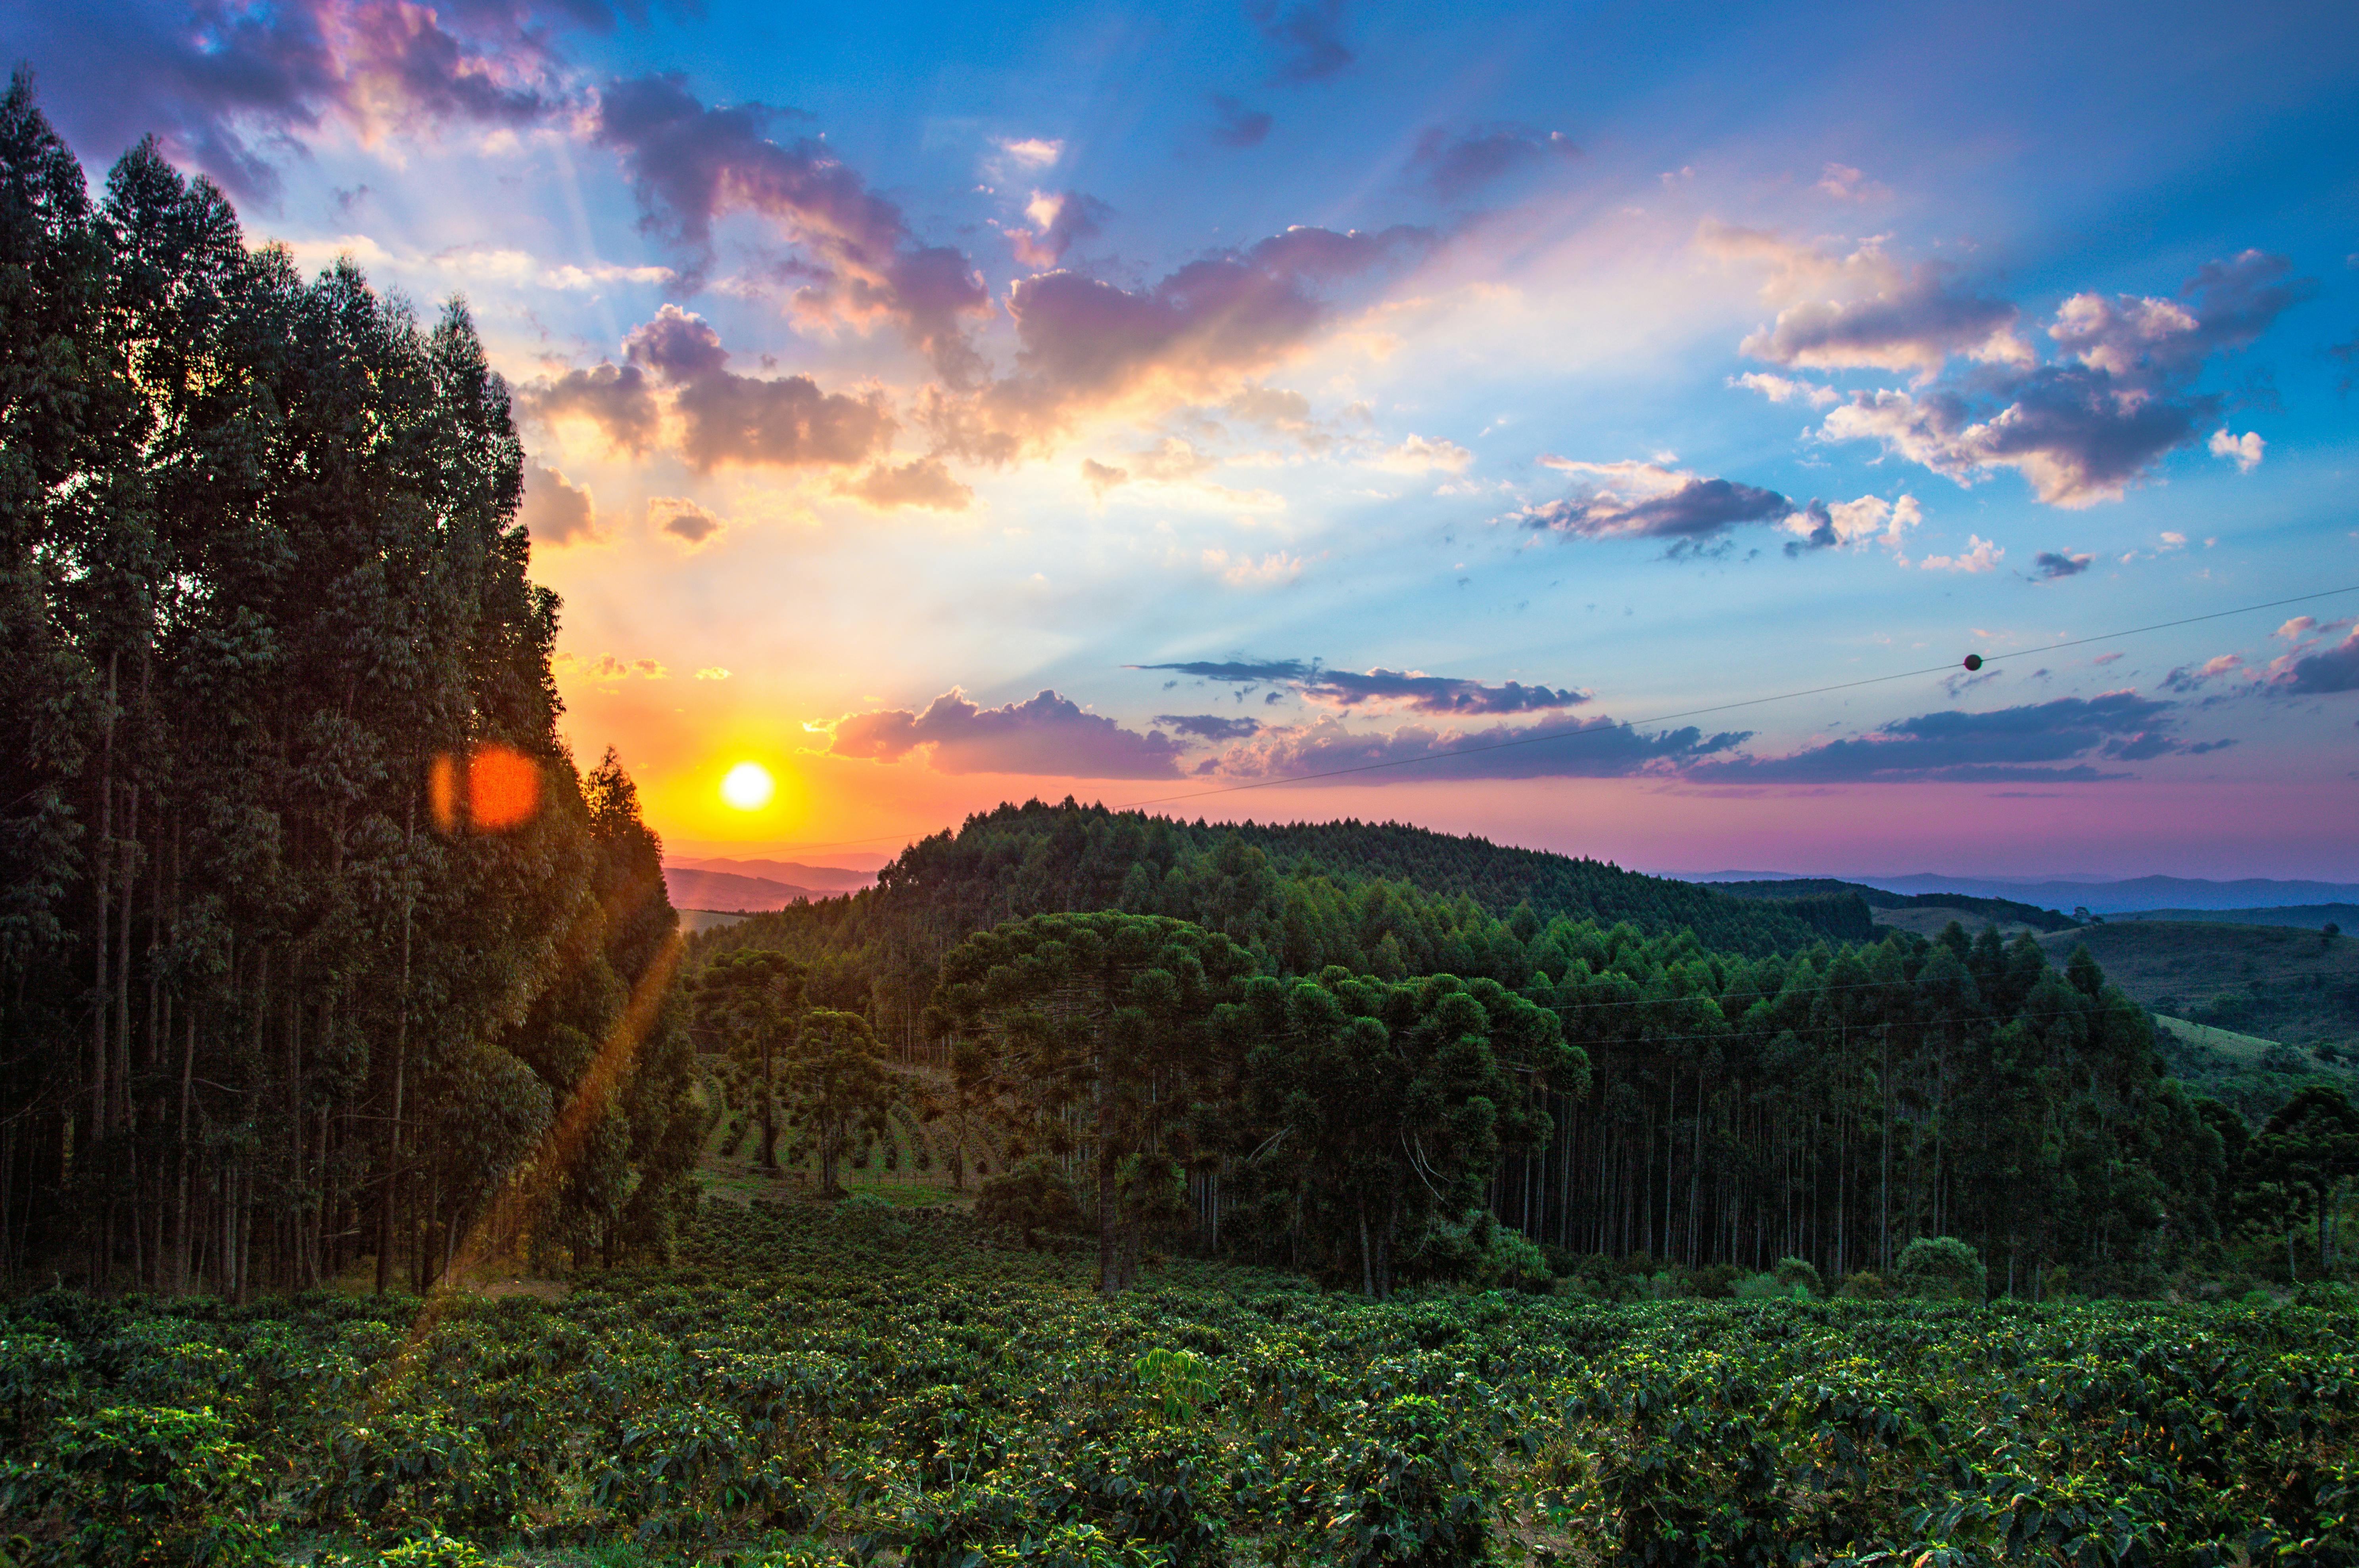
point(748, 786)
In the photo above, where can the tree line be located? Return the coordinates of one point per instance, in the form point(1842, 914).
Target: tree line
point(1824, 1100)
point(312, 936)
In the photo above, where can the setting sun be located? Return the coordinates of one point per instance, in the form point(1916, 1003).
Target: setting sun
point(747, 786)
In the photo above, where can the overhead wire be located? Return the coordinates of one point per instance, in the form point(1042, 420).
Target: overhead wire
point(1604, 726)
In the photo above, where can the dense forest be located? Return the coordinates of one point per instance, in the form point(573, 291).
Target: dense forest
point(314, 944)
point(1697, 1107)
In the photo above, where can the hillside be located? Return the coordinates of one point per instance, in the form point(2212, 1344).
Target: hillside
point(727, 891)
point(1925, 914)
point(2277, 982)
point(2306, 916)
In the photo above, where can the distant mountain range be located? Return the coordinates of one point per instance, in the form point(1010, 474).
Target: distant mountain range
point(2191, 897)
point(748, 885)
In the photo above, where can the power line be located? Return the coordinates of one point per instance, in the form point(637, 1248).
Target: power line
point(1608, 728)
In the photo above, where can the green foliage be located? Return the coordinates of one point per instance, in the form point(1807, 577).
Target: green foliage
point(1800, 1274)
point(1941, 1268)
point(912, 1383)
point(141, 1485)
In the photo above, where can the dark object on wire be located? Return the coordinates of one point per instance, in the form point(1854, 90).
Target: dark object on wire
point(1974, 661)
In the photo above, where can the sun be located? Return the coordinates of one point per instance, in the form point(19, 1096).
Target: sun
point(748, 786)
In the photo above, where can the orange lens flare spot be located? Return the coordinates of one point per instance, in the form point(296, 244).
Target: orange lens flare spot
point(443, 791)
point(501, 789)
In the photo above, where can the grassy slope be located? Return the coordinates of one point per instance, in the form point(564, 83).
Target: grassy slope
point(2303, 988)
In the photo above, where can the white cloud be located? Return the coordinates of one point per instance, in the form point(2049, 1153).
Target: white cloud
point(2244, 448)
point(1033, 152)
point(1784, 389)
point(1981, 556)
point(1417, 455)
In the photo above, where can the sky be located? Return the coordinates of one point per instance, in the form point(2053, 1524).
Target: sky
point(1519, 404)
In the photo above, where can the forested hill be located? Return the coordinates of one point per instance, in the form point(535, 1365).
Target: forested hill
point(1303, 894)
point(1787, 890)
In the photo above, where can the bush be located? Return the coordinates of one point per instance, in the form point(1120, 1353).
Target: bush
point(1866, 1285)
point(143, 1485)
point(1411, 1493)
point(1941, 1268)
point(1800, 1274)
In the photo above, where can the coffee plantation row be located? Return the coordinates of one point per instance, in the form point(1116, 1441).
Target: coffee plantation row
point(877, 1385)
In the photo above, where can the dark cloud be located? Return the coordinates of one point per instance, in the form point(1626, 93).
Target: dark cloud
point(2049, 565)
point(731, 418)
point(1308, 36)
point(1208, 726)
point(1918, 320)
point(692, 163)
point(1458, 165)
point(1240, 126)
point(224, 85)
point(1643, 500)
point(2348, 353)
point(683, 520)
point(923, 481)
point(554, 511)
point(1084, 343)
point(1436, 695)
point(1603, 748)
point(619, 399)
point(1244, 672)
point(2035, 742)
point(2083, 428)
point(2335, 669)
point(1048, 735)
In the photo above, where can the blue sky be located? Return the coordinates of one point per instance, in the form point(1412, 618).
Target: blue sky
point(898, 381)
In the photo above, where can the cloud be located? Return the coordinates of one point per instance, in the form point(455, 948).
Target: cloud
point(2334, 670)
point(1863, 310)
point(923, 481)
point(2049, 565)
point(1413, 690)
point(730, 418)
point(1033, 152)
point(225, 86)
point(1417, 455)
point(618, 399)
point(1308, 36)
point(2085, 428)
point(2246, 448)
point(1059, 219)
point(1648, 501)
point(1853, 525)
point(1240, 125)
point(692, 163)
point(1102, 477)
point(1601, 748)
point(713, 673)
point(682, 519)
point(1193, 336)
point(2187, 679)
point(1048, 735)
point(2348, 353)
point(612, 667)
point(1784, 389)
point(1208, 726)
point(2301, 626)
point(1244, 571)
point(1244, 672)
point(1457, 166)
point(554, 511)
point(1845, 183)
point(1981, 556)
point(2036, 741)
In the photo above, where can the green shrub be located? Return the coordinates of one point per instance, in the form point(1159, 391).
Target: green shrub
point(1800, 1274)
point(143, 1486)
point(1866, 1285)
point(1412, 1488)
point(1941, 1268)
point(433, 1550)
